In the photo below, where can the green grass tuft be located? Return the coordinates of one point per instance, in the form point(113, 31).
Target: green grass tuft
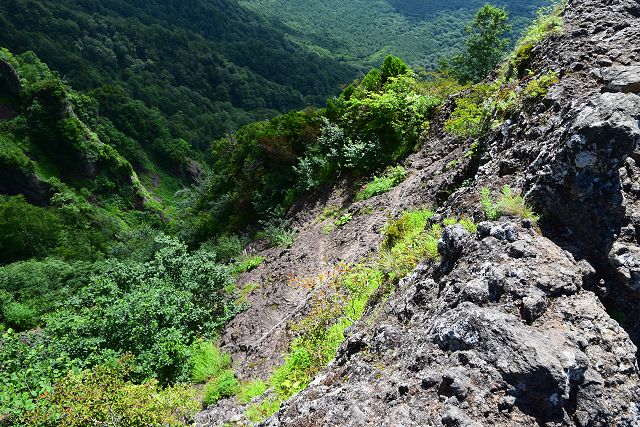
point(507, 203)
point(391, 178)
point(250, 390)
point(247, 263)
point(258, 412)
point(207, 361)
point(223, 385)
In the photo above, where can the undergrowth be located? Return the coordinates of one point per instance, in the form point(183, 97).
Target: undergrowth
point(486, 105)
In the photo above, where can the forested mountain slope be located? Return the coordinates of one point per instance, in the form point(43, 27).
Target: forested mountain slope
point(365, 31)
point(426, 249)
point(202, 66)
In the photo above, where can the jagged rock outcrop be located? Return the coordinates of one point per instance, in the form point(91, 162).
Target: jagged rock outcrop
point(508, 337)
point(9, 80)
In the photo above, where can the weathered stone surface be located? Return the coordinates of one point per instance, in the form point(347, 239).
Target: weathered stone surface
point(9, 80)
point(481, 362)
point(622, 78)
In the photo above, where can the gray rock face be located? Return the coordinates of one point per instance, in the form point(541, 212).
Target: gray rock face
point(498, 341)
point(622, 78)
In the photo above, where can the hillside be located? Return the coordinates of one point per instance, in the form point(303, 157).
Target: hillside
point(204, 67)
point(522, 311)
point(364, 32)
point(425, 249)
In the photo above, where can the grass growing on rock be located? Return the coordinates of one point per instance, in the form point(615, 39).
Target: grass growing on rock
point(507, 203)
point(250, 390)
point(207, 361)
point(339, 301)
point(382, 184)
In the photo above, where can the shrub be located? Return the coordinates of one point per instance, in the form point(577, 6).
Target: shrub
point(391, 177)
point(207, 361)
point(228, 247)
point(223, 385)
point(152, 310)
point(470, 118)
point(250, 390)
point(278, 236)
point(103, 396)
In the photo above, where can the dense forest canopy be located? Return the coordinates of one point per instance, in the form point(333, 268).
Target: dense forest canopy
point(206, 65)
point(365, 31)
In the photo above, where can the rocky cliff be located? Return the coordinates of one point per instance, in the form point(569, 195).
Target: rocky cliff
point(514, 325)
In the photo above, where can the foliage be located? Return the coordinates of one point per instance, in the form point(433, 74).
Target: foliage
point(485, 45)
point(278, 236)
point(407, 241)
point(207, 361)
point(103, 396)
point(539, 86)
point(152, 310)
point(547, 23)
point(251, 390)
point(221, 386)
point(257, 412)
point(228, 247)
point(244, 293)
point(343, 219)
point(247, 263)
point(470, 118)
point(26, 373)
point(32, 289)
point(507, 203)
point(264, 167)
point(194, 78)
point(391, 177)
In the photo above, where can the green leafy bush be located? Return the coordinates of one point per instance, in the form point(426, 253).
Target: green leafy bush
point(391, 177)
point(153, 310)
point(103, 396)
point(278, 236)
point(470, 118)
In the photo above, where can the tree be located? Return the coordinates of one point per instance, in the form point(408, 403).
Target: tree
point(393, 67)
point(485, 45)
